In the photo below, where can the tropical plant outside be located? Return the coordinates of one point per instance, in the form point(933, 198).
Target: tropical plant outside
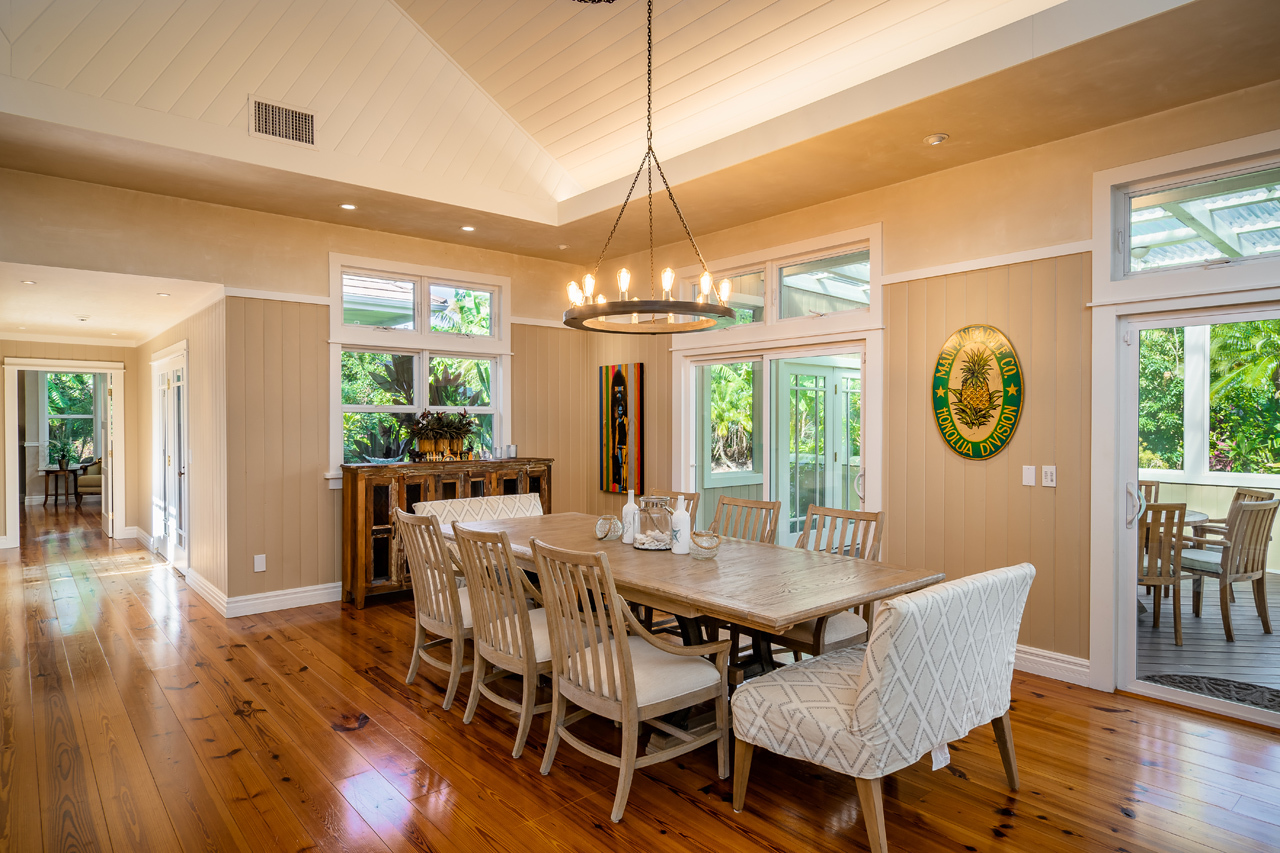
point(1161, 365)
point(732, 416)
point(72, 437)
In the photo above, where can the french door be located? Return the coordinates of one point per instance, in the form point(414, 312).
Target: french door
point(170, 512)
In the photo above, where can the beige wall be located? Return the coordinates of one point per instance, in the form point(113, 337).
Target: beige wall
point(205, 334)
point(964, 516)
point(78, 352)
point(555, 408)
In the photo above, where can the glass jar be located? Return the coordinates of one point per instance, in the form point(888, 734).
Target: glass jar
point(703, 545)
point(608, 528)
point(653, 524)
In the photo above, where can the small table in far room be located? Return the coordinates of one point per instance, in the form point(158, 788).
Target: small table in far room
point(64, 477)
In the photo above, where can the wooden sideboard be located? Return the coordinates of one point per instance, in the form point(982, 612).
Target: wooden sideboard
point(371, 494)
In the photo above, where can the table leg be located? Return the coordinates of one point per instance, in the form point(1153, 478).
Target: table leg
point(75, 487)
point(46, 492)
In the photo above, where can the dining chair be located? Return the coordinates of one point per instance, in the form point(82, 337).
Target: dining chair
point(1150, 490)
point(1240, 556)
point(439, 606)
point(690, 501)
point(1217, 526)
point(1160, 558)
point(939, 664)
point(843, 532)
point(506, 632)
point(741, 518)
point(606, 663)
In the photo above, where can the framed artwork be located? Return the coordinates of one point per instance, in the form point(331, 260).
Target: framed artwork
point(622, 427)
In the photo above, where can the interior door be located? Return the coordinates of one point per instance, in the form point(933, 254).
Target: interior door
point(817, 437)
point(107, 453)
point(170, 511)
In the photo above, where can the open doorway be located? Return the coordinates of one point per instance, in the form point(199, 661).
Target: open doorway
point(62, 422)
point(1203, 507)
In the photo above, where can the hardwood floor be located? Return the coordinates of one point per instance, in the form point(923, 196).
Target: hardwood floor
point(134, 718)
point(1254, 658)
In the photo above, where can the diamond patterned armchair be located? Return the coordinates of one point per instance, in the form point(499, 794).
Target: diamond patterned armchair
point(939, 663)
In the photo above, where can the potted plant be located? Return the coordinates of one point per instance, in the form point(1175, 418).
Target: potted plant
point(62, 450)
point(443, 432)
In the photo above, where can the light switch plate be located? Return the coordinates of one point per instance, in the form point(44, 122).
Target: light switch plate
point(259, 562)
point(1049, 476)
point(1028, 475)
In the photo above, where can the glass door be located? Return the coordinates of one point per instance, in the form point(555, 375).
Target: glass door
point(730, 434)
point(170, 507)
point(816, 436)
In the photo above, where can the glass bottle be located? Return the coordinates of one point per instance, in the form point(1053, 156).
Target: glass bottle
point(629, 511)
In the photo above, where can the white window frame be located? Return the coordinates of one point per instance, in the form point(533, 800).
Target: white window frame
point(43, 381)
point(419, 342)
point(759, 453)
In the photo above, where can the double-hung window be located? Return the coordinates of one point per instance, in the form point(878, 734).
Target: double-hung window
point(411, 339)
point(68, 417)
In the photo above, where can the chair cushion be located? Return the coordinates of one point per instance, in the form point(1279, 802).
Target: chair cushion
point(662, 675)
point(805, 710)
point(1205, 561)
point(841, 627)
point(541, 636)
point(464, 599)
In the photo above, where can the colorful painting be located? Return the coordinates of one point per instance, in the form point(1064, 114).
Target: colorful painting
point(977, 391)
point(622, 427)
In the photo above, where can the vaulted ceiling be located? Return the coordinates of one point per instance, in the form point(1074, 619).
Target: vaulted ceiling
point(525, 118)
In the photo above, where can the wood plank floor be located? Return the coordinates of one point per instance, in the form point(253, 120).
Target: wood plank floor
point(1254, 658)
point(136, 719)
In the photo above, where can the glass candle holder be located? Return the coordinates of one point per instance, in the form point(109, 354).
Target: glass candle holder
point(653, 524)
point(704, 545)
point(608, 528)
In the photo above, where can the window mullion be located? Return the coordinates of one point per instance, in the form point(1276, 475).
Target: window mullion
point(1195, 408)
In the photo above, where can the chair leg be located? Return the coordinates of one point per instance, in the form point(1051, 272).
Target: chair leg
point(419, 637)
point(1197, 595)
point(871, 797)
point(741, 770)
point(1155, 609)
point(477, 678)
point(626, 768)
point(726, 736)
point(1260, 602)
point(528, 699)
point(553, 730)
point(1232, 590)
point(1224, 595)
point(1004, 739)
point(1177, 614)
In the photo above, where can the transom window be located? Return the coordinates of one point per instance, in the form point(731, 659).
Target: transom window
point(825, 286)
point(389, 302)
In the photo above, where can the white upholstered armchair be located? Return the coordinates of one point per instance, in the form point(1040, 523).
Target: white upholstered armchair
point(939, 663)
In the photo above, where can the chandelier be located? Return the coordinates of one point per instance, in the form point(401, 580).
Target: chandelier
point(591, 310)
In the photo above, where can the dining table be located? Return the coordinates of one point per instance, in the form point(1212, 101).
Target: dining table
point(754, 585)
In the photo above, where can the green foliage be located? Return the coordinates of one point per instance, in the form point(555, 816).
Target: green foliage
point(62, 445)
point(70, 393)
point(1244, 397)
point(375, 436)
point(459, 382)
point(1161, 368)
point(732, 418)
point(461, 311)
point(377, 379)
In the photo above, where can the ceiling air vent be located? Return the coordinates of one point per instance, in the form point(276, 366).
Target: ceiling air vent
point(280, 122)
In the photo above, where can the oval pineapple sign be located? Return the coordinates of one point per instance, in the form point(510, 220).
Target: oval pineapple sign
point(977, 391)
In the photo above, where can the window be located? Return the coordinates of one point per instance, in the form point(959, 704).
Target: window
point(378, 301)
point(69, 422)
point(381, 398)
point(1222, 219)
point(1209, 400)
point(825, 286)
point(461, 310)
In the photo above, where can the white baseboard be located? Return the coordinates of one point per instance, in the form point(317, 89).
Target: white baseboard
point(9, 541)
point(265, 602)
point(1053, 665)
point(214, 597)
point(141, 535)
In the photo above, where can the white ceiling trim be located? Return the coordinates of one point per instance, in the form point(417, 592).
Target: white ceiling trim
point(69, 339)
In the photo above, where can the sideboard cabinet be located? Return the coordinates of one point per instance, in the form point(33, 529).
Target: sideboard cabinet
point(371, 493)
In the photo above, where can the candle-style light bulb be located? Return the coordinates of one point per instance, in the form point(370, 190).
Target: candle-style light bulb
point(635, 318)
point(624, 281)
point(600, 300)
point(705, 281)
point(725, 289)
point(668, 279)
point(575, 293)
point(588, 285)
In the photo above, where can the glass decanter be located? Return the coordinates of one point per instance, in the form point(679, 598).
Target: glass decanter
point(653, 524)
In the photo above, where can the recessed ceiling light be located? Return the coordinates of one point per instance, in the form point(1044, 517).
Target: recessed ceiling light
point(22, 327)
point(936, 138)
point(28, 282)
point(468, 228)
point(162, 294)
point(564, 246)
point(113, 334)
point(347, 206)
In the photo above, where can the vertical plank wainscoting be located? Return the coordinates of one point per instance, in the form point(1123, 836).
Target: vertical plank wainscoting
point(965, 516)
point(555, 407)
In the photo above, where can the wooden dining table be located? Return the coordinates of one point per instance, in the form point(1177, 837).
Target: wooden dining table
point(764, 587)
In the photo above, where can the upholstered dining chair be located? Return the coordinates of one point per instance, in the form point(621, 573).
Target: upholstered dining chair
point(506, 632)
point(741, 518)
point(1160, 538)
point(439, 606)
point(606, 663)
point(939, 664)
point(843, 532)
point(1241, 555)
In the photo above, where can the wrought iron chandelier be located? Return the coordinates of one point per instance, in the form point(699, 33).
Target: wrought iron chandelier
point(593, 311)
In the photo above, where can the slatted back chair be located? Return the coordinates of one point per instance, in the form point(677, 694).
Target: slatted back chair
point(690, 501)
point(1218, 526)
point(507, 633)
point(1160, 537)
point(606, 663)
point(440, 607)
point(1150, 490)
point(845, 532)
point(1241, 556)
point(741, 518)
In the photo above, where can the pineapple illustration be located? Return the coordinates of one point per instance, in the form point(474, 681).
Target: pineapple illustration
point(973, 402)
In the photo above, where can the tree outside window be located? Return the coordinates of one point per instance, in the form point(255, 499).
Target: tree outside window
point(69, 417)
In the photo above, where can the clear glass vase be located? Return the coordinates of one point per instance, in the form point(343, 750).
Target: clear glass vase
point(653, 524)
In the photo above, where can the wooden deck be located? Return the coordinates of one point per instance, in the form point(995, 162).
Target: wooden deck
point(134, 718)
point(1253, 658)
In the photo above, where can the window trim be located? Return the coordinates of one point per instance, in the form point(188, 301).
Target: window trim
point(46, 415)
point(702, 447)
